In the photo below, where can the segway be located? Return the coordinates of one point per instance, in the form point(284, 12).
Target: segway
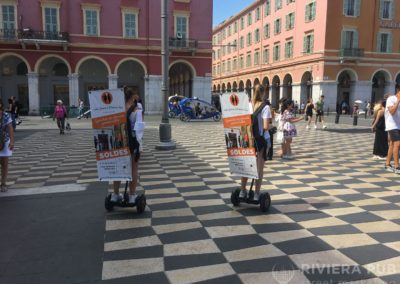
point(264, 200)
point(140, 201)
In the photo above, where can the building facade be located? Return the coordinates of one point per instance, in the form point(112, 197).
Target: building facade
point(61, 49)
point(345, 49)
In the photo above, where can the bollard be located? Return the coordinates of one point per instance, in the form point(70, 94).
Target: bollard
point(355, 118)
point(337, 118)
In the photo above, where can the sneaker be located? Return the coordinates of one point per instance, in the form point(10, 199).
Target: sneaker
point(290, 157)
point(374, 157)
point(324, 127)
point(256, 196)
point(115, 197)
point(243, 194)
point(397, 170)
point(380, 158)
point(315, 126)
point(308, 127)
point(389, 168)
point(132, 198)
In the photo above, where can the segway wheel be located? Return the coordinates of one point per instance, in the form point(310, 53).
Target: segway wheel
point(171, 114)
point(235, 197)
point(217, 117)
point(141, 204)
point(108, 204)
point(265, 201)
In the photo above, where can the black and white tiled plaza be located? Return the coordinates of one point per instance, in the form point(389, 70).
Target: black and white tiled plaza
point(335, 214)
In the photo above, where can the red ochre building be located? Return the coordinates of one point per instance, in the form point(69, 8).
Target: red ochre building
point(345, 49)
point(61, 49)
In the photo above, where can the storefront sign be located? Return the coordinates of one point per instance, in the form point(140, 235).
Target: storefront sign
point(109, 136)
point(238, 135)
point(390, 24)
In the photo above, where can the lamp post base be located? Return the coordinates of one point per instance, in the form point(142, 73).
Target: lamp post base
point(166, 146)
point(165, 137)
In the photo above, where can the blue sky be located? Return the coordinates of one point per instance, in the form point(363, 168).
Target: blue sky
point(223, 9)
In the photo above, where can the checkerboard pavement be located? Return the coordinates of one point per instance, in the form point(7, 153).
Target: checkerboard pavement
point(335, 214)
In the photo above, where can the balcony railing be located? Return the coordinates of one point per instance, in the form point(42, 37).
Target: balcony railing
point(351, 52)
point(8, 34)
point(28, 34)
point(182, 43)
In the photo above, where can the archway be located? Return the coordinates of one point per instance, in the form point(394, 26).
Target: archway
point(13, 81)
point(344, 94)
point(183, 75)
point(131, 74)
point(265, 83)
point(219, 89)
point(287, 87)
point(276, 93)
point(234, 87)
point(53, 82)
point(306, 88)
point(241, 86)
point(248, 88)
point(223, 88)
point(229, 87)
point(214, 89)
point(398, 82)
point(380, 84)
point(93, 76)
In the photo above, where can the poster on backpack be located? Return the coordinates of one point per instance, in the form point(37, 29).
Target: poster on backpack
point(238, 135)
point(109, 135)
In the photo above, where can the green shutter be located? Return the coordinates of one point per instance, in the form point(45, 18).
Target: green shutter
point(345, 5)
point(355, 39)
point(357, 8)
point(307, 13)
point(343, 45)
point(304, 44)
point(313, 11)
point(381, 9)
point(312, 43)
point(389, 43)
point(378, 42)
point(287, 22)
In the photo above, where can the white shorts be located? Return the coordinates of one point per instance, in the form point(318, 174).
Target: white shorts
point(6, 152)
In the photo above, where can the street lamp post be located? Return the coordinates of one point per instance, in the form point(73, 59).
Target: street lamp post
point(165, 128)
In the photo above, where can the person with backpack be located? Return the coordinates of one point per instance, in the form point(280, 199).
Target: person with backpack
point(134, 132)
point(261, 119)
point(60, 113)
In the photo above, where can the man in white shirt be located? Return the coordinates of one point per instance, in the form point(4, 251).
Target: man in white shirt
point(392, 121)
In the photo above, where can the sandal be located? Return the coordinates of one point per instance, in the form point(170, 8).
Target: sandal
point(3, 188)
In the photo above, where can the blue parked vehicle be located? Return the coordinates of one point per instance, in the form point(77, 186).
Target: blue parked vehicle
point(194, 108)
point(173, 106)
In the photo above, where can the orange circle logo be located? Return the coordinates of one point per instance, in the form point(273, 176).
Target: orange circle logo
point(106, 98)
point(234, 99)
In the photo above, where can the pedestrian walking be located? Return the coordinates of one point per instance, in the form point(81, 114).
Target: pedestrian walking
point(289, 128)
point(392, 122)
point(262, 116)
point(309, 112)
point(6, 145)
point(80, 107)
point(302, 106)
point(319, 107)
point(60, 113)
point(381, 137)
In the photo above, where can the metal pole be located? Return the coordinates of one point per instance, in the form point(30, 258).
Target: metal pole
point(165, 128)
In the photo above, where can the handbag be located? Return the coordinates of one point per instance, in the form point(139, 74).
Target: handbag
point(273, 130)
point(279, 137)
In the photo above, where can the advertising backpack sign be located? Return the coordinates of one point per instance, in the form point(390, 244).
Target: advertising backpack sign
point(238, 134)
point(109, 135)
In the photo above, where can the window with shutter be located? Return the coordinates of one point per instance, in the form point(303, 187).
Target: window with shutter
point(266, 56)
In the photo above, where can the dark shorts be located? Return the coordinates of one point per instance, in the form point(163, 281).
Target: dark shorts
point(320, 113)
point(309, 114)
point(394, 135)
